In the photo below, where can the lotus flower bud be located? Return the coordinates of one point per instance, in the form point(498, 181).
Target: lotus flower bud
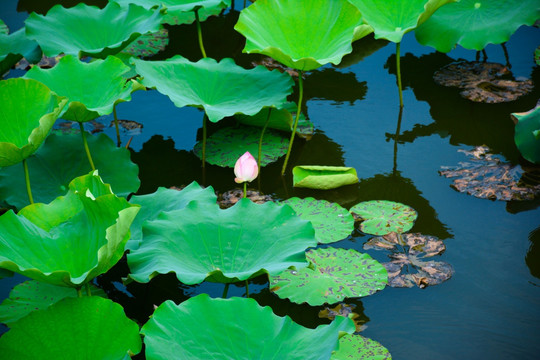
point(245, 169)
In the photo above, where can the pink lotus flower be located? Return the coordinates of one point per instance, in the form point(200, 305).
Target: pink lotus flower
point(246, 169)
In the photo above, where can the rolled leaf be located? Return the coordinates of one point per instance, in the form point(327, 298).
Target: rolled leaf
point(323, 177)
point(527, 134)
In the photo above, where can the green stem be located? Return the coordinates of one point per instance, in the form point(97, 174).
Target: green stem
point(118, 142)
point(204, 140)
point(300, 98)
point(508, 65)
point(400, 116)
point(398, 67)
point(225, 291)
point(27, 179)
point(245, 188)
point(87, 288)
point(83, 134)
point(247, 289)
point(199, 33)
point(261, 139)
point(79, 292)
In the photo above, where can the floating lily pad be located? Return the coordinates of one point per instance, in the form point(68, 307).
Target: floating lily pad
point(148, 44)
point(286, 31)
point(475, 23)
point(33, 295)
point(381, 217)
point(483, 82)
point(417, 244)
point(226, 145)
point(331, 222)
point(333, 275)
point(60, 160)
point(29, 110)
point(89, 30)
point(39, 241)
point(323, 177)
point(242, 330)
point(488, 177)
point(201, 242)
point(345, 310)
point(87, 327)
point(272, 64)
point(231, 197)
point(527, 134)
point(355, 347)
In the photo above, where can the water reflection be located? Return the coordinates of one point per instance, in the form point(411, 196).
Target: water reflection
point(42, 6)
point(331, 84)
point(532, 259)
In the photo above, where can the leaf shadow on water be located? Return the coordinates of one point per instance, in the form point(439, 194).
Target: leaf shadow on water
point(532, 258)
point(42, 6)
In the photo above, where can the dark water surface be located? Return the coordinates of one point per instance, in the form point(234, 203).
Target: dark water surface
point(490, 308)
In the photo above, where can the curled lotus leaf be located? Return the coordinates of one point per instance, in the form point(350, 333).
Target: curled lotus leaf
point(89, 30)
point(323, 177)
point(285, 30)
point(70, 329)
point(226, 145)
point(148, 44)
point(333, 275)
point(38, 242)
point(381, 217)
point(29, 110)
point(201, 242)
point(60, 160)
point(358, 347)
point(220, 88)
point(331, 221)
point(527, 134)
point(488, 177)
point(475, 23)
point(483, 82)
point(33, 295)
point(236, 327)
point(417, 244)
point(407, 270)
point(94, 88)
point(391, 19)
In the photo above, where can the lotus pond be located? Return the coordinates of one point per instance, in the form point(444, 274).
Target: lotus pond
point(423, 206)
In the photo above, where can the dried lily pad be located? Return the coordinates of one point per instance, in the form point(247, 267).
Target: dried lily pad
point(417, 243)
point(381, 217)
point(359, 347)
point(226, 145)
point(148, 45)
point(231, 197)
point(334, 274)
point(483, 82)
point(345, 310)
point(488, 177)
point(272, 64)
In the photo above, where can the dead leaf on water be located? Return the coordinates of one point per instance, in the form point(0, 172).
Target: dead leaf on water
point(345, 310)
point(231, 197)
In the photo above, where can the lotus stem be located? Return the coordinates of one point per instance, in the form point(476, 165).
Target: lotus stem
point(398, 69)
point(508, 65)
point(199, 33)
point(400, 116)
point(245, 188)
point(300, 98)
point(485, 54)
point(79, 292)
point(247, 289)
point(86, 148)
point(204, 140)
point(244, 3)
point(118, 142)
point(27, 180)
point(87, 288)
point(225, 291)
point(478, 56)
point(261, 139)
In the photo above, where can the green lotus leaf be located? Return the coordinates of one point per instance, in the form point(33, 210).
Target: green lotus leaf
point(4, 30)
point(74, 328)
point(226, 145)
point(361, 31)
point(323, 177)
point(475, 23)
point(391, 19)
point(29, 110)
point(331, 222)
point(182, 11)
point(236, 328)
point(358, 347)
point(71, 240)
point(148, 44)
point(302, 35)
point(16, 46)
point(87, 30)
point(201, 242)
point(93, 88)
point(220, 88)
point(537, 55)
point(527, 134)
point(61, 159)
point(165, 200)
point(33, 295)
point(333, 275)
point(381, 217)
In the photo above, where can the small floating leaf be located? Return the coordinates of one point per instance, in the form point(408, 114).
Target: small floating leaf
point(358, 347)
point(323, 177)
point(381, 217)
point(417, 244)
point(527, 137)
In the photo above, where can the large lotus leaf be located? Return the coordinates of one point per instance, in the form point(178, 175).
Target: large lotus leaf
point(61, 159)
point(71, 240)
point(355, 347)
point(16, 46)
point(475, 23)
point(527, 134)
point(33, 295)
point(323, 177)
point(182, 11)
point(88, 30)
point(302, 35)
point(201, 242)
point(220, 88)
point(391, 19)
point(225, 146)
point(93, 88)
point(236, 328)
point(381, 217)
point(80, 328)
point(29, 110)
point(165, 200)
point(333, 275)
point(331, 222)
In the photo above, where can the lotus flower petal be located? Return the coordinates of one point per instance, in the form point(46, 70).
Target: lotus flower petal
point(246, 169)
